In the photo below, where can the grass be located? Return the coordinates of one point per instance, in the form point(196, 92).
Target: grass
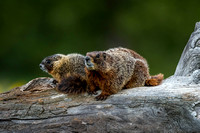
point(6, 85)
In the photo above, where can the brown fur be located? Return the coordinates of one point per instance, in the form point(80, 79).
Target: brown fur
point(115, 69)
point(68, 71)
point(140, 73)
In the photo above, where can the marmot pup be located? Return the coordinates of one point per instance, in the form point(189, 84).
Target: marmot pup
point(67, 70)
point(116, 69)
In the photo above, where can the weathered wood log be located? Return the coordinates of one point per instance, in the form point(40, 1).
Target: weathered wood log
point(173, 106)
point(190, 58)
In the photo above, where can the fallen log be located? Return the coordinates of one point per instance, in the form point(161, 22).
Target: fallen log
point(173, 106)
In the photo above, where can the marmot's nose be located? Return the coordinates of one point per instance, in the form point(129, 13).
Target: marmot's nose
point(40, 65)
point(87, 58)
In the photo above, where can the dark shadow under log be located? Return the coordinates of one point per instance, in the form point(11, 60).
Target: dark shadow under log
point(173, 106)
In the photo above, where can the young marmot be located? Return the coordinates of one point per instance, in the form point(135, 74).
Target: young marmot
point(116, 69)
point(67, 70)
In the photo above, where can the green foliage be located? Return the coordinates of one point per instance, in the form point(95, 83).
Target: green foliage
point(31, 30)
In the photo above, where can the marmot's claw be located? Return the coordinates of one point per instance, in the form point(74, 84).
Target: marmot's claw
point(54, 81)
point(95, 93)
point(74, 91)
point(101, 97)
point(92, 92)
point(70, 90)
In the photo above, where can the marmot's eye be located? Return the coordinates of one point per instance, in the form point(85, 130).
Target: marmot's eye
point(104, 56)
point(97, 56)
point(48, 61)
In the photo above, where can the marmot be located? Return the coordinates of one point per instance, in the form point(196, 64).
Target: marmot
point(117, 69)
point(67, 70)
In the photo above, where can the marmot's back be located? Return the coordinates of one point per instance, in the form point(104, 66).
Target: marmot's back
point(75, 64)
point(133, 53)
point(123, 65)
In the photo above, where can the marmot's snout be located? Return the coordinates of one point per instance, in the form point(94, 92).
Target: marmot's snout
point(46, 65)
point(88, 63)
point(87, 58)
point(42, 67)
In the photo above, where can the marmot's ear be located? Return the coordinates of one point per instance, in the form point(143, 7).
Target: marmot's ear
point(57, 56)
point(104, 55)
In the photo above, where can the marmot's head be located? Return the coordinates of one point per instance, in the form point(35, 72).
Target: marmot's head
point(48, 63)
point(98, 61)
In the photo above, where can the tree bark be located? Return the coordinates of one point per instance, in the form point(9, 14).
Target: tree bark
point(173, 106)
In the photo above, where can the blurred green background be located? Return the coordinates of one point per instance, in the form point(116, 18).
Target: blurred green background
point(33, 29)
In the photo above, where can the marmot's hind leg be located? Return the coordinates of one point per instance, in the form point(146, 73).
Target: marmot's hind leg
point(72, 85)
point(141, 74)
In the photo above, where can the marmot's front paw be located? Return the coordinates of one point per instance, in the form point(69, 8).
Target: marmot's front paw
point(92, 92)
point(74, 91)
point(70, 90)
point(54, 81)
point(101, 97)
point(72, 86)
